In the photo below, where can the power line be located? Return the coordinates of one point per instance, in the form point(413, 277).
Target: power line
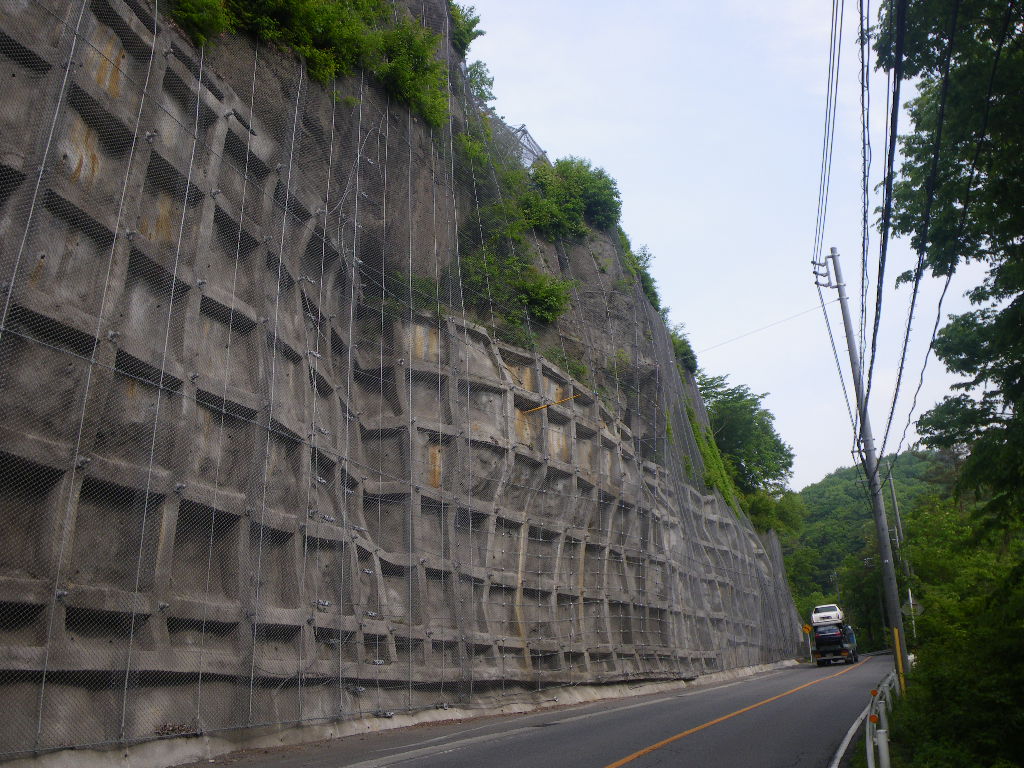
point(828, 137)
point(979, 140)
point(831, 100)
point(922, 248)
point(894, 115)
point(864, 75)
point(762, 328)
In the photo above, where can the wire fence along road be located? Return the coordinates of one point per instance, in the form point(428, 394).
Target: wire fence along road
point(264, 459)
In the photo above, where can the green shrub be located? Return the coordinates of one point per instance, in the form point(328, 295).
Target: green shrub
point(407, 66)
point(570, 364)
point(464, 27)
point(505, 284)
point(544, 297)
point(480, 82)
point(335, 37)
point(203, 20)
point(638, 265)
point(590, 188)
point(562, 199)
point(686, 358)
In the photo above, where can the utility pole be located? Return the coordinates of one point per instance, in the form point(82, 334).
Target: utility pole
point(900, 541)
point(890, 589)
point(899, 523)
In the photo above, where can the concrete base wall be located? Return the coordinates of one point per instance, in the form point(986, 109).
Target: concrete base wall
point(180, 750)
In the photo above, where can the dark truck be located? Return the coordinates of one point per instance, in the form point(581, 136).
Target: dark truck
point(834, 642)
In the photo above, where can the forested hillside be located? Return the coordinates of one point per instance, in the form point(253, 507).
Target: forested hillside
point(964, 698)
point(834, 554)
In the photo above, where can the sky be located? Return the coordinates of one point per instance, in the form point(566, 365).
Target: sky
point(710, 116)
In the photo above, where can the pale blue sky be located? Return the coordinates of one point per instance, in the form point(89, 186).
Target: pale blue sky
point(710, 116)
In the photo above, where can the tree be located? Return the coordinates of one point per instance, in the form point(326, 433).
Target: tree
point(480, 81)
point(464, 30)
point(960, 198)
point(745, 432)
point(783, 513)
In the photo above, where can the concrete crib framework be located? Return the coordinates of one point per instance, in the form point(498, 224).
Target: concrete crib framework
point(247, 478)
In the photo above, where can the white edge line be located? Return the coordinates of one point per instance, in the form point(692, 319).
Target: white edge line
point(849, 737)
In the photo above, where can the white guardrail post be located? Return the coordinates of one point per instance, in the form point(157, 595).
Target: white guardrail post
point(876, 739)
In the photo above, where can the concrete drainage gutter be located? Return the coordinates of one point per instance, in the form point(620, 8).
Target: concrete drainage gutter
point(163, 753)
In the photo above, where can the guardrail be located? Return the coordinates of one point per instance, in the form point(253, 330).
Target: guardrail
point(876, 732)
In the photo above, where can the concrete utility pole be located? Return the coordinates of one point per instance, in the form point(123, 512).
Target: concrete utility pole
point(900, 541)
point(890, 590)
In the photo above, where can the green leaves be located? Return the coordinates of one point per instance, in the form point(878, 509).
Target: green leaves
point(966, 693)
point(638, 265)
point(971, 209)
point(335, 37)
point(562, 199)
point(745, 432)
point(686, 358)
point(480, 82)
point(464, 27)
point(203, 20)
point(716, 469)
point(557, 201)
point(544, 297)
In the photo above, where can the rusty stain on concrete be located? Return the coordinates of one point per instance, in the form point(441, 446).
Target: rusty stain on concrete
point(85, 142)
point(435, 464)
point(160, 229)
point(426, 343)
point(109, 61)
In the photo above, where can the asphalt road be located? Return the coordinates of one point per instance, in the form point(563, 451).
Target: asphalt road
point(792, 718)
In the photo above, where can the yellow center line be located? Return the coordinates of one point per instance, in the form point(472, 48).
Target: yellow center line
point(709, 723)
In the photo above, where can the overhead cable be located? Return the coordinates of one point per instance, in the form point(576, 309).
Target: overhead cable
point(922, 248)
point(762, 328)
point(894, 116)
point(965, 206)
point(835, 48)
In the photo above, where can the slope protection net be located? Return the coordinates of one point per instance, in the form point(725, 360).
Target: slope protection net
point(264, 456)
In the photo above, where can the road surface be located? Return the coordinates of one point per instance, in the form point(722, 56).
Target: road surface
point(791, 718)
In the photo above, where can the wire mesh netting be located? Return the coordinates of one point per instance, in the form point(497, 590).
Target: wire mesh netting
point(269, 456)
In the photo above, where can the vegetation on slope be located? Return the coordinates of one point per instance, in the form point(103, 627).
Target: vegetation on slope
point(337, 36)
point(558, 202)
point(716, 467)
point(745, 432)
point(465, 27)
point(638, 264)
point(686, 358)
point(744, 457)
